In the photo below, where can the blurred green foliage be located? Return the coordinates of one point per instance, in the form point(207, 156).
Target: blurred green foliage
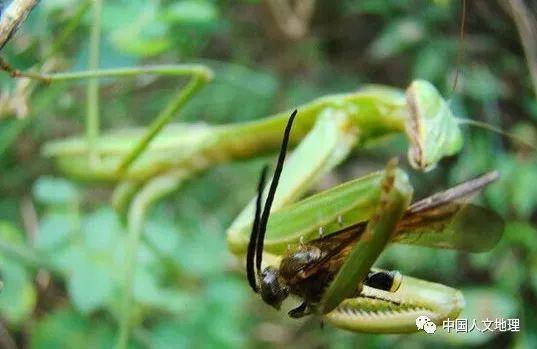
point(189, 291)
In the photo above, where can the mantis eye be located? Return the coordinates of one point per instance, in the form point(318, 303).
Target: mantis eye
point(272, 292)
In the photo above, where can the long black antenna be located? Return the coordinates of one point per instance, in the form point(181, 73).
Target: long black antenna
point(250, 272)
point(272, 191)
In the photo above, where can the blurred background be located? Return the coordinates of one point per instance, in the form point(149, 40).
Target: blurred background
point(267, 56)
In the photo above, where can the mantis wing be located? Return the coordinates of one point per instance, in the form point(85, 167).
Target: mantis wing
point(446, 220)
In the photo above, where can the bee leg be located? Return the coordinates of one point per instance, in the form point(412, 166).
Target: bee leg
point(300, 311)
point(340, 220)
point(384, 280)
point(321, 232)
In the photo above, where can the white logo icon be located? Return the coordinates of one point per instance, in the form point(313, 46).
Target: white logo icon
point(424, 323)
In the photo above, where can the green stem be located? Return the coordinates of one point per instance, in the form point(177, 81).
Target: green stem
point(92, 102)
point(152, 191)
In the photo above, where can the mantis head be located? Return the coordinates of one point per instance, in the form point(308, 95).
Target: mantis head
point(267, 282)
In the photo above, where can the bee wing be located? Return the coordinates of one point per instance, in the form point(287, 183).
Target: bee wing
point(334, 249)
point(447, 220)
point(443, 220)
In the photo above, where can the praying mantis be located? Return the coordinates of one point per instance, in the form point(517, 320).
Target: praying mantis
point(325, 133)
point(148, 164)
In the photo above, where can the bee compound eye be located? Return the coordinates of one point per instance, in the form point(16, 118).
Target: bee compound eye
point(272, 292)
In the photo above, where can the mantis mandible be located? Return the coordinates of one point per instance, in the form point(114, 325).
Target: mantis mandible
point(332, 274)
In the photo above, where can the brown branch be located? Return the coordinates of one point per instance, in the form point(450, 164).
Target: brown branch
point(291, 17)
point(527, 30)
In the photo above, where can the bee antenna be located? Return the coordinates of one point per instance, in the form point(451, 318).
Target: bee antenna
point(272, 191)
point(250, 272)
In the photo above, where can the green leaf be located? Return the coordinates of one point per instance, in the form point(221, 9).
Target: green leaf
point(55, 229)
point(170, 334)
point(191, 12)
point(101, 230)
point(523, 234)
point(66, 329)
point(55, 191)
point(482, 85)
point(134, 29)
point(149, 293)
point(18, 296)
point(525, 190)
point(90, 285)
point(397, 38)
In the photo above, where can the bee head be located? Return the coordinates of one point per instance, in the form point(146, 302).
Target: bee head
point(271, 289)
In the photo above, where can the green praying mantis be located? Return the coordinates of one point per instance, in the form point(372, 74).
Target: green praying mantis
point(152, 162)
point(324, 134)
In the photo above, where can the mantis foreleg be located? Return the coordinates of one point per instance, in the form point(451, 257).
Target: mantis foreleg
point(395, 197)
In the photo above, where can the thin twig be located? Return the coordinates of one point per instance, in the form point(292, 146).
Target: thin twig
point(291, 17)
point(15, 73)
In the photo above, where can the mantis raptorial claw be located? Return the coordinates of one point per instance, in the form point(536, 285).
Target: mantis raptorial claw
point(394, 199)
point(396, 312)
